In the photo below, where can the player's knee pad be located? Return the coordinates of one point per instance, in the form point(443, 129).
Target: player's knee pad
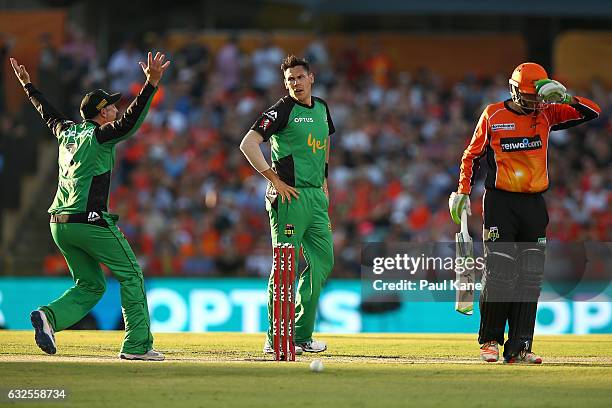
point(500, 276)
point(531, 261)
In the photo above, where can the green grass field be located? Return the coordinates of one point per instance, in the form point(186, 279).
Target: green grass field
point(225, 370)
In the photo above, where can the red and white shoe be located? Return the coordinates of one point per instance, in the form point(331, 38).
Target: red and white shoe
point(489, 352)
point(524, 357)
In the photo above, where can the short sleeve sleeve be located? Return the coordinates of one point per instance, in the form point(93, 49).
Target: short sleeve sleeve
point(273, 119)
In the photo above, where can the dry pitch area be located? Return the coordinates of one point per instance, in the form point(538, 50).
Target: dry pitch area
point(227, 369)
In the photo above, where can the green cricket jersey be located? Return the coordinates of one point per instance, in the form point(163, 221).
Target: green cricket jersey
point(87, 152)
point(298, 136)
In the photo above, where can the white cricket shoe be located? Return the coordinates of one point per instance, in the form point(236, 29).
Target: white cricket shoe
point(489, 352)
point(151, 355)
point(313, 346)
point(43, 332)
point(268, 349)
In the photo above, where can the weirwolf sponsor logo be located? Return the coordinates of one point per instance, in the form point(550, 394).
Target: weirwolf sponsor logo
point(503, 126)
point(515, 144)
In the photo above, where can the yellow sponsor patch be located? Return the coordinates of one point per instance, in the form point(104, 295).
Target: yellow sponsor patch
point(316, 144)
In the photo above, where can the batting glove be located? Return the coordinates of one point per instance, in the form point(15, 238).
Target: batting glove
point(456, 203)
point(552, 91)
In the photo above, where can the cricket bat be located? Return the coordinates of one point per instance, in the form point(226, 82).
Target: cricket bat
point(464, 300)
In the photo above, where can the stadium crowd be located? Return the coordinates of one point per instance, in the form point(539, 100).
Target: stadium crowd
point(191, 205)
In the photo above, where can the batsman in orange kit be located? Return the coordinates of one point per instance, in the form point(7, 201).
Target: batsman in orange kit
point(512, 139)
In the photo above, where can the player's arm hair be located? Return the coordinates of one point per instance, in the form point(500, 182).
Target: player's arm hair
point(131, 120)
point(55, 120)
point(252, 151)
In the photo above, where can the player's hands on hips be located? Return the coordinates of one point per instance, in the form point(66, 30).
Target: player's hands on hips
point(552, 91)
point(456, 203)
point(285, 191)
point(21, 72)
point(155, 67)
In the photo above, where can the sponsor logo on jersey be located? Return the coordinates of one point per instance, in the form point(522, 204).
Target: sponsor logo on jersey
point(272, 114)
point(515, 144)
point(542, 241)
point(93, 216)
point(503, 126)
point(303, 120)
point(264, 124)
point(289, 230)
point(316, 144)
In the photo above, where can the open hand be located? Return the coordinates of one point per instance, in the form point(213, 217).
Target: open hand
point(20, 72)
point(155, 67)
point(285, 191)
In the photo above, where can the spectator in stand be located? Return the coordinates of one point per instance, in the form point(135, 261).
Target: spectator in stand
point(123, 67)
point(265, 64)
point(229, 64)
point(185, 195)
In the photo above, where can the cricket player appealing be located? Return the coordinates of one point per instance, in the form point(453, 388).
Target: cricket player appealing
point(298, 127)
point(512, 137)
point(81, 226)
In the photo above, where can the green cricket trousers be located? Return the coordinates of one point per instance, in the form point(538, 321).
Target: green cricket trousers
point(304, 223)
point(86, 245)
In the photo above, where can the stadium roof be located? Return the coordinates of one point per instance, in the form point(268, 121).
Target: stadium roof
point(538, 8)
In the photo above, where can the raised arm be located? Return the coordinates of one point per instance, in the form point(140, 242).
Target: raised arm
point(135, 114)
point(55, 120)
point(567, 111)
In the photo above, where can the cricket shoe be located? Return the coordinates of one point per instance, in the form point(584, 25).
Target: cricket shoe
point(313, 346)
point(489, 352)
point(524, 357)
point(150, 355)
point(268, 349)
point(43, 332)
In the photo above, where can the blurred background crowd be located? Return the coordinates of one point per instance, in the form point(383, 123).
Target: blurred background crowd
point(191, 205)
